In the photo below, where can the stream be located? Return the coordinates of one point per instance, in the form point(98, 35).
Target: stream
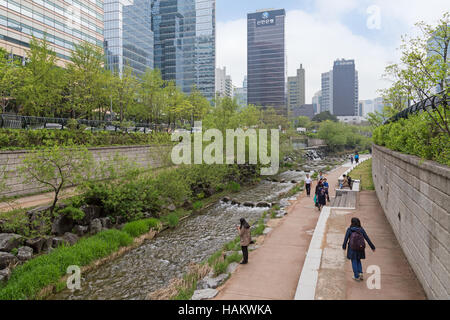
point(152, 265)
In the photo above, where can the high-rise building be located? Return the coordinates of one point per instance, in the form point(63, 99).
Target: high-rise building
point(305, 110)
point(185, 43)
point(240, 94)
point(327, 92)
point(345, 88)
point(296, 89)
point(224, 85)
point(266, 59)
point(62, 23)
point(316, 101)
point(128, 35)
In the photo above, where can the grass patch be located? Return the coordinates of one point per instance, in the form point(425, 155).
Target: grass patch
point(28, 279)
point(363, 172)
point(139, 227)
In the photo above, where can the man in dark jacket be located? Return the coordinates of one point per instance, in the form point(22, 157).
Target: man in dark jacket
point(356, 255)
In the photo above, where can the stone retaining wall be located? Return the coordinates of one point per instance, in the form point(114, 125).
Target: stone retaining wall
point(415, 196)
point(145, 156)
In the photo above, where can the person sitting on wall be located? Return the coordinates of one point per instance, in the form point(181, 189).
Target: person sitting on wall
point(345, 183)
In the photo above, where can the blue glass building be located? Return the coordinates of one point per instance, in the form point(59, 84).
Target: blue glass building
point(185, 43)
point(128, 35)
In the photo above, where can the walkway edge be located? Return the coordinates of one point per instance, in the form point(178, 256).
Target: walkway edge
point(306, 288)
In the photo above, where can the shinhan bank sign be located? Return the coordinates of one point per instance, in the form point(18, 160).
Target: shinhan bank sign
point(266, 19)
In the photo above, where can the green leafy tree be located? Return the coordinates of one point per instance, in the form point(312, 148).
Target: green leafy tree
point(85, 80)
point(423, 70)
point(56, 168)
point(152, 98)
point(41, 91)
point(10, 79)
point(323, 116)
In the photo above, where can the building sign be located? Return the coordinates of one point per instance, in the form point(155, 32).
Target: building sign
point(265, 19)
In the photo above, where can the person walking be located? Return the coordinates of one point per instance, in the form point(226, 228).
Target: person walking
point(354, 242)
point(326, 187)
point(357, 158)
point(308, 182)
point(246, 238)
point(351, 158)
point(320, 197)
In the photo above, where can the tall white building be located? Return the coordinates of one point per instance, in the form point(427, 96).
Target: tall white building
point(327, 92)
point(224, 85)
point(296, 90)
point(316, 101)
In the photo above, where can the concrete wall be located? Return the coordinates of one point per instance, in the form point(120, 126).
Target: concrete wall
point(415, 196)
point(145, 156)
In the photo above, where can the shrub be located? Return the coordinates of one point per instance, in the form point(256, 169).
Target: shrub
point(416, 135)
point(74, 213)
point(197, 205)
point(234, 186)
point(171, 219)
point(139, 227)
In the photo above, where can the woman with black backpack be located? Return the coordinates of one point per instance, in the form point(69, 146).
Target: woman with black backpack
point(354, 238)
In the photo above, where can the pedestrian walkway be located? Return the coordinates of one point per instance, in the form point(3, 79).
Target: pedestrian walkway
point(398, 280)
point(273, 269)
point(34, 200)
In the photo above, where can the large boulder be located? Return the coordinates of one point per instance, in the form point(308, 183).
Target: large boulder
point(36, 244)
point(106, 223)
point(9, 241)
point(62, 224)
point(212, 283)
point(91, 212)
point(5, 274)
point(95, 226)
point(232, 267)
point(263, 204)
point(25, 253)
point(226, 199)
point(6, 259)
point(248, 204)
point(204, 294)
point(59, 241)
point(80, 230)
point(70, 238)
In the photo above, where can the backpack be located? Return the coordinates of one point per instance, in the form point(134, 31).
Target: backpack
point(357, 242)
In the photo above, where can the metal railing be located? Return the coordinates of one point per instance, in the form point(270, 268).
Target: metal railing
point(14, 121)
point(428, 103)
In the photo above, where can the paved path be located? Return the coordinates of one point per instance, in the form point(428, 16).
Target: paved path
point(35, 200)
point(398, 280)
point(274, 268)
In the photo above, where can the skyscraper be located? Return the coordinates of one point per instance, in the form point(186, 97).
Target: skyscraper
point(185, 43)
point(327, 92)
point(296, 89)
point(345, 88)
point(316, 101)
point(62, 24)
point(224, 85)
point(266, 59)
point(128, 35)
point(241, 93)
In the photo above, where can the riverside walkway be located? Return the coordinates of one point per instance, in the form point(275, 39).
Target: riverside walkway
point(274, 269)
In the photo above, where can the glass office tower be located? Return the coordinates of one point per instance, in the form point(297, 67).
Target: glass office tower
point(63, 23)
point(345, 88)
point(266, 59)
point(185, 43)
point(128, 35)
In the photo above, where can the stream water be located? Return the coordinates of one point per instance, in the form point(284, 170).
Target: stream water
point(152, 265)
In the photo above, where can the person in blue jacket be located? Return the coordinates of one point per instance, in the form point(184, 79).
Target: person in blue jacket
point(356, 255)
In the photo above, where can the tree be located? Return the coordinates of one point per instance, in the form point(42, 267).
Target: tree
point(41, 92)
point(126, 88)
point(56, 168)
point(10, 79)
point(200, 105)
point(85, 80)
point(423, 70)
point(152, 99)
point(303, 122)
point(323, 116)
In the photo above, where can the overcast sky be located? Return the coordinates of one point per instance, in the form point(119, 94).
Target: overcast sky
point(321, 31)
